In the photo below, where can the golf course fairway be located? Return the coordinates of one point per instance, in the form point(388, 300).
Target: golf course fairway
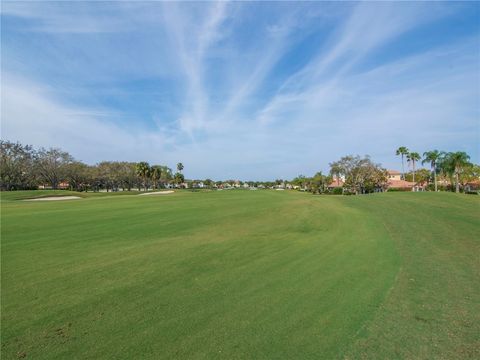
point(241, 275)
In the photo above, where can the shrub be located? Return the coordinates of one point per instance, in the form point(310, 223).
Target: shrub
point(430, 187)
point(337, 191)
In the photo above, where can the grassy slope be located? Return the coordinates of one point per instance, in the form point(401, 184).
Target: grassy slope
point(433, 311)
point(241, 275)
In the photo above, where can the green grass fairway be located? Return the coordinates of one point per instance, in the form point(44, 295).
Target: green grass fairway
point(241, 275)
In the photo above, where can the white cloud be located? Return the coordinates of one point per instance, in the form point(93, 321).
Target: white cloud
point(191, 37)
point(32, 115)
point(360, 34)
point(64, 18)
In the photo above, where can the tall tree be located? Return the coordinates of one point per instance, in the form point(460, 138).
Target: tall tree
point(52, 165)
point(432, 157)
point(179, 178)
point(361, 174)
point(300, 181)
point(455, 163)
point(166, 175)
point(319, 182)
point(403, 151)
point(105, 175)
point(179, 167)
point(413, 157)
point(16, 166)
point(156, 173)
point(143, 170)
point(77, 175)
point(129, 177)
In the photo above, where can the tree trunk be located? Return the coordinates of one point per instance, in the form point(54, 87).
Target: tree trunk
point(413, 171)
point(435, 178)
point(403, 169)
point(457, 183)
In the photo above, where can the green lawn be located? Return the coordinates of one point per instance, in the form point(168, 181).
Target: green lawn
point(241, 275)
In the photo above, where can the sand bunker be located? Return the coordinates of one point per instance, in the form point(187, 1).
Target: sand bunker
point(159, 193)
point(55, 198)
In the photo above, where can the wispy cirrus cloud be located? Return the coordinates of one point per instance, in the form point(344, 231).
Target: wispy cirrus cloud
point(191, 40)
point(354, 40)
point(49, 17)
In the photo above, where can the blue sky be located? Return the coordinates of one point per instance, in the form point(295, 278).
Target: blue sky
point(241, 89)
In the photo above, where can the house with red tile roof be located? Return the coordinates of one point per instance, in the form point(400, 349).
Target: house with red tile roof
point(336, 183)
point(472, 185)
point(400, 184)
point(395, 182)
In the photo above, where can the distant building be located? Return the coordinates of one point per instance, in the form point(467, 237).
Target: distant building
point(61, 186)
point(394, 175)
point(395, 182)
point(400, 184)
point(336, 183)
point(472, 186)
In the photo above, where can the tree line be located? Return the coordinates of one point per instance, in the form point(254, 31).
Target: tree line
point(452, 166)
point(360, 175)
point(22, 168)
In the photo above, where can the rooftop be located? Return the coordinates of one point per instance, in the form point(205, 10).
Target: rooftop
point(400, 184)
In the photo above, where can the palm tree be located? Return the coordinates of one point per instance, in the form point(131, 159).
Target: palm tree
point(143, 170)
point(458, 161)
point(156, 173)
point(444, 166)
point(179, 167)
point(413, 157)
point(432, 158)
point(179, 178)
point(402, 150)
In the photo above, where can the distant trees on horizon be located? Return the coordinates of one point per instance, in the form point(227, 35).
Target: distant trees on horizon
point(22, 167)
